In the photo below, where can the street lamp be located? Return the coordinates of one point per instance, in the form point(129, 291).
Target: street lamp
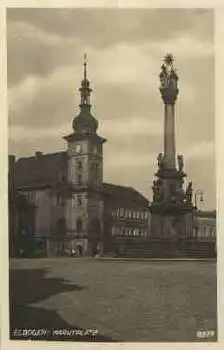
point(197, 193)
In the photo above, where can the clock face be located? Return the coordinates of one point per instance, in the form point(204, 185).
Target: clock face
point(77, 148)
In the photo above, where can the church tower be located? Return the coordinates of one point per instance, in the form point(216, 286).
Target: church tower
point(171, 207)
point(85, 173)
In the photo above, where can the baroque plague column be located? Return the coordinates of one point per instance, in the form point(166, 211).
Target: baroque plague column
point(171, 207)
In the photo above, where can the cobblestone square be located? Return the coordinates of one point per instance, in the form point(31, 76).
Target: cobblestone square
point(131, 301)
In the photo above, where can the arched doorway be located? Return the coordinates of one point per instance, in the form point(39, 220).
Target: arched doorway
point(79, 250)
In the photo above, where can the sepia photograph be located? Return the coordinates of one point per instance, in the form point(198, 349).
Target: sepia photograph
point(111, 175)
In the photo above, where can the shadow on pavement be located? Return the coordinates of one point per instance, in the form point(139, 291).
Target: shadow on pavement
point(31, 286)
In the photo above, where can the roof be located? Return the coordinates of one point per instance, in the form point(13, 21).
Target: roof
point(126, 192)
point(44, 170)
point(41, 168)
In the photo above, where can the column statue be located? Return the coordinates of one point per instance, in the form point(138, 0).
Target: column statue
point(161, 161)
point(158, 190)
point(189, 191)
point(180, 160)
point(164, 77)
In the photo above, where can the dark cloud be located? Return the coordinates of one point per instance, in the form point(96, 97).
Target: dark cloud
point(103, 27)
point(49, 108)
point(96, 28)
point(33, 56)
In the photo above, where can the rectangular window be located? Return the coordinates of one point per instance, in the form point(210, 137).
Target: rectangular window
point(113, 230)
point(79, 179)
point(121, 212)
point(59, 200)
point(79, 199)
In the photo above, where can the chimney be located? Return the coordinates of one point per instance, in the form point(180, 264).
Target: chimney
point(38, 154)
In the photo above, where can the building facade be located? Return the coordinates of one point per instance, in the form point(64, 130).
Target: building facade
point(204, 226)
point(75, 209)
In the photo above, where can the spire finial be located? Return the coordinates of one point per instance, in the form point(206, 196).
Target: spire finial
point(85, 64)
point(85, 89)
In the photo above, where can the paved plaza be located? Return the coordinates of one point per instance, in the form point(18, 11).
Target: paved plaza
point(124, 300)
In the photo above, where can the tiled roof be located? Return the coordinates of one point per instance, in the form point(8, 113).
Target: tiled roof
point(48, 169)
point(42, 168)
point(128, 193)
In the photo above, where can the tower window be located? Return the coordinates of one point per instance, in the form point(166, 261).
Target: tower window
point(95, 166)
point(79, 179)
point(79, 164)
point(79, 199)
point(79, 225)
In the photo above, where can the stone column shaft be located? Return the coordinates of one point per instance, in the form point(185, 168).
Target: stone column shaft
point(169, 136)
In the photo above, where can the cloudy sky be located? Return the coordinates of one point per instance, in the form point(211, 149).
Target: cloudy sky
point(124, 49)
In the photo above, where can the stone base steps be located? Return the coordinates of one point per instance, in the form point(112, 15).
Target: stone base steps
point(150, 250)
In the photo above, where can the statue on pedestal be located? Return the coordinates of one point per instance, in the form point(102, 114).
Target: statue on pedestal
point(164, 77)
point(180, 160)
point(160, 160)
point(157, 190)
point(189, 192)
point(168, 76)
point(180, 194)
